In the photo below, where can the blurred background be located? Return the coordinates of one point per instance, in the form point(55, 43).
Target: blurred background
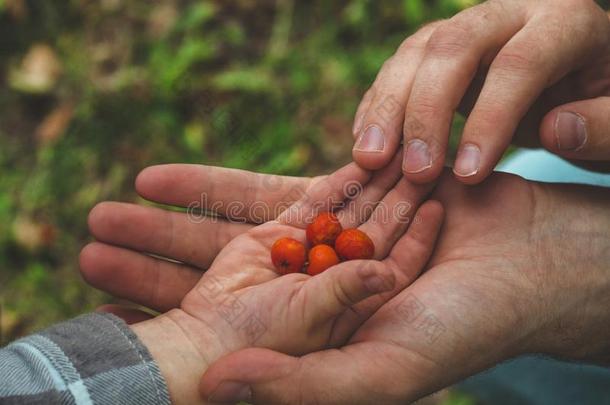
point(91, 92)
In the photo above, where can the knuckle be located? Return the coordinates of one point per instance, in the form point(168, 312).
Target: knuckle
point(517, 60)
point(449, 40)
point(342, 294)
point(488, 113)
point(386, 66)
point(369, 94)
point(422, 109)
point(413, 127)
point(474, 15)
point(389, 108)
point(418, 40)
point(414, 42)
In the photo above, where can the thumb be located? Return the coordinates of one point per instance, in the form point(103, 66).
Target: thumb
point(263, 376)
point(343, 286)
point(579, 130)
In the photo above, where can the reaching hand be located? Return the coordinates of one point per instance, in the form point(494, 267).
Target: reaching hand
point(530, 68)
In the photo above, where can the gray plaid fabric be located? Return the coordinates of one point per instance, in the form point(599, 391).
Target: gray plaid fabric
point(92, 359)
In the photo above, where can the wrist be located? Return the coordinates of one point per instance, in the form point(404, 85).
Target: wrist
point(183, 349)
point(573, 244)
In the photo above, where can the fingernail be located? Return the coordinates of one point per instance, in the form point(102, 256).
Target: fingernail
point(570, 131)
point(377, 284)
point(417, 158)
point(371, 140)
point(467, 161)
point(231, 391)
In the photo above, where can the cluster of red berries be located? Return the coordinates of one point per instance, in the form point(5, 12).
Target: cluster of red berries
point(330, 245)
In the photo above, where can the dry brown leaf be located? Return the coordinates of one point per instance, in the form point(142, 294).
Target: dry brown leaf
point(33, 235)
point(39, 70)
point(55, 124)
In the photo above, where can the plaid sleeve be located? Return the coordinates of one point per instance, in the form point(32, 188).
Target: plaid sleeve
point(92, 359)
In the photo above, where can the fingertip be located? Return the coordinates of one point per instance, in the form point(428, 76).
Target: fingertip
point(474, 163)
point(563, 132)
point(427, 221)
point(432, 209)
point(371, 149)
point(371, 161)
point(473, 179)
point(89, 258)
point(427, 176)
point(423, 160)
point(100, 217)
point(147, 179)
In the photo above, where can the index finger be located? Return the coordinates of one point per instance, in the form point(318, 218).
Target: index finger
point(236, 194)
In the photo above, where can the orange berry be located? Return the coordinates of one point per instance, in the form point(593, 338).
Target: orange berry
point(288, 255)
point(353, 244)
point(321, 257)
point(324, 229)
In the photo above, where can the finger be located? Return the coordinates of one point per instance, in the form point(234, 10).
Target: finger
point(362, 109)
point(520, 72)
point(579, 130)
point(407, 259)
point(237, 194)
point(190, 239)
point(393, 214)
point(380, 131)
point(366, 198)
point(452, 57)
point(148, 281)
point(342, 286)
point(325, 194)
point(129, 315)
point(411, 253)
point(263, 376)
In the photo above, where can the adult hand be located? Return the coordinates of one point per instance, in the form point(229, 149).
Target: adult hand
point(241, 301)
point(520, 267)
point(513, 67)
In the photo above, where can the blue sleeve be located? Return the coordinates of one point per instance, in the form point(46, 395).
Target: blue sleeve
point(92, 359)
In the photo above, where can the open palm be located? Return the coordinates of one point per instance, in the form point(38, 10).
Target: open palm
point(493, 289)
point(241, 294)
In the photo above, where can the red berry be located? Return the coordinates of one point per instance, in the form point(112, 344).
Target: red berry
point(353, 244)
point(324, 229)
point(288, 255)
point(321, 257)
